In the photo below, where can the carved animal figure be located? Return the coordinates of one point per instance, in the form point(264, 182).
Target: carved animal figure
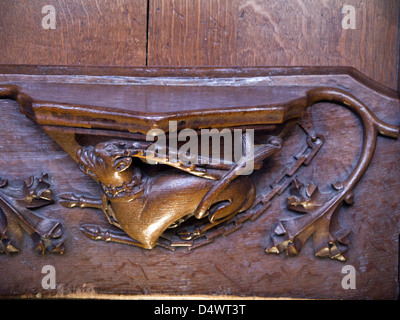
point(144, 206)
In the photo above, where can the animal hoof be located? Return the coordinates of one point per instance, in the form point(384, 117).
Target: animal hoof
point(91, 231)
point(187, 234)
point(95, 232)
point(69, 200)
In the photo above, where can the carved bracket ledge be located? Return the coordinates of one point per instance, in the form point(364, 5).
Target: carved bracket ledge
point(318, 208)
point(192, 204)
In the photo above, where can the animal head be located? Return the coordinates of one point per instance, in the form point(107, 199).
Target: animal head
point(107, 162)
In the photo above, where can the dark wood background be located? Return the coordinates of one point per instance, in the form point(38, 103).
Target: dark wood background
point(127, 33)
point(204, 33)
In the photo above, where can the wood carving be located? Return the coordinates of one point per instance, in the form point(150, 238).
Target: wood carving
point(290, 235)
point(191, 205)
point(16, 215)
point(144, 206)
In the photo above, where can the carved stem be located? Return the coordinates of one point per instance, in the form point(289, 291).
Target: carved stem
point(269, 149)
point(298, 230)
point(370, 123)
point(371, 127)
point(25, 224)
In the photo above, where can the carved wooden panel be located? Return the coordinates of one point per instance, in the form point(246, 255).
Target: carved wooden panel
point(276, 33)
point(85, 32)
point(322, 193)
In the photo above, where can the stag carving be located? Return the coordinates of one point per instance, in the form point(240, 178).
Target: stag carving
point(145, 206)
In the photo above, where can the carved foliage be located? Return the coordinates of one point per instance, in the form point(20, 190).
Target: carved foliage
point(316, 209)
point(16, 216)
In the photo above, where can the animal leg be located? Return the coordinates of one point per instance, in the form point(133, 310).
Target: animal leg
point(96, 232)
point(217, 214)
point(225, 209)
point(71, 200)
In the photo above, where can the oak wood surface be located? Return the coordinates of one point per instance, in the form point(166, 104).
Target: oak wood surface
point(94, 32)
point(116, 37)
point(234, 265)
point(213, 33)
point(275, 33)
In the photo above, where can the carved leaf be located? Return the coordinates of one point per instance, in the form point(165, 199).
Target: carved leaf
point(35, 192)
point(15, 216)
point(305, 198)
point(5, 242)
point(317, 209)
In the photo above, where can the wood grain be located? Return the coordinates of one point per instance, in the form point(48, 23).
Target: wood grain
point(93, 32)
point(235, 265)
point(275, 33)
point(112, 36)
point(398, 65)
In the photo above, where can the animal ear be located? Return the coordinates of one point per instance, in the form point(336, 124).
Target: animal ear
point(122, 164)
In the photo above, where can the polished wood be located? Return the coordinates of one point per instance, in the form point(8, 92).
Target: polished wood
point(275, 33)
point(94, 32)
point(215, 33)
point(97, 267)
point(105, 56)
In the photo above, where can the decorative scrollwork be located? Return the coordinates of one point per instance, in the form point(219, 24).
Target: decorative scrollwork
point(290, 235)
point(16, 216)
point(144, 206)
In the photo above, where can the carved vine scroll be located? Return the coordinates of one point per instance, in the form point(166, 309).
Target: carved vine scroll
point(16, 215)
point(191, 205)
point(318, 208)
